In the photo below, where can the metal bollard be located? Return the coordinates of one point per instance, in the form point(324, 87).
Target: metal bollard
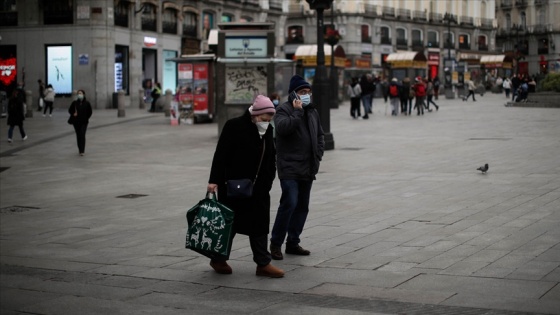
point(121, 112)
point(29, 104)
point(167, 102)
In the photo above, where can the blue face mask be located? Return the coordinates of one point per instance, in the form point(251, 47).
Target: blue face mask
point(305, 99)
point(275, 102)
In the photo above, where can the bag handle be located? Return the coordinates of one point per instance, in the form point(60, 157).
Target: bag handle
point(260, 162)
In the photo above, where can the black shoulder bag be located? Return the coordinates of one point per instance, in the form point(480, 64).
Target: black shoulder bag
point(243, 188)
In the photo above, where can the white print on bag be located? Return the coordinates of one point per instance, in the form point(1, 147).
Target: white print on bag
point(210, 230)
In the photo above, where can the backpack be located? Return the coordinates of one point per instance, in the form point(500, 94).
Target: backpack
point(394, 90)
point(420, 90)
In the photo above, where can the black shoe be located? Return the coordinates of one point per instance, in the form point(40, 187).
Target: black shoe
point(298, 250)
point(437, 108)
point(365, 117)
point(276, 252)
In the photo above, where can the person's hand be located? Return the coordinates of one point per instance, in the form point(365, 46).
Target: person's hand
point(298, 104)
point(212, 188)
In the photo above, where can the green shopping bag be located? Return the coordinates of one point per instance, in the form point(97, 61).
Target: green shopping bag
point(210, 227)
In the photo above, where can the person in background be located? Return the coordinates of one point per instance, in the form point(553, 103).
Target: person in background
point(49, 100)
point(436, 87)
point(41, 95)
point(16, 115)
point(82, 111)
point(300, 143)
point(245, 149)
point(430, 95)
point(156, 93)
point(394, 87)
point(471, 91)
point(368, 87)
point(420, 94)
point(404, 95)
point(507, 86)
point(354, 91)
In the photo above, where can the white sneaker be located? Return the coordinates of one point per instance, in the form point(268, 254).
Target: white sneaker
point(25, 138)
point(9, 140)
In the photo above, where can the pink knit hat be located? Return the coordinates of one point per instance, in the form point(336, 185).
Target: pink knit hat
point(262, 105)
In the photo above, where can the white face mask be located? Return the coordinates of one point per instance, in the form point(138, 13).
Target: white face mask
point(305, 99)
point(262, 126)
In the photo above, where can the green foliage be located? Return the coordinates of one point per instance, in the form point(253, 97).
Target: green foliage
point(551, 82)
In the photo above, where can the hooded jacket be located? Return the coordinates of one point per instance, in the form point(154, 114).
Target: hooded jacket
point(300, 141)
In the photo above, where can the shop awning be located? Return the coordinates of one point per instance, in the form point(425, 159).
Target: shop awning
point(496, 61)
point(407, 59)
point(308, 55)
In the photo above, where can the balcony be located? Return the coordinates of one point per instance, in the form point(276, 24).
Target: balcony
point(541, 2)
point(9, 18)
point(388, 11)
point(386, 40)
point(539, 28)
point(417, 45)
point(486, 23)
point(436, 17)
point(419, 16)
point(521, 4)
point(465, 46)
point(149, 24)
point(483, 47)
point(542, 51)
point(466, 20)
point(403, 13)
point(169, 27)
point(449, 45)
point(189, 30)
point(370, 9)
point(433, 44)
point(402, 43)
point(506, 4)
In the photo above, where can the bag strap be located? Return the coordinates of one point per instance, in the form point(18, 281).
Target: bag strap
point(260, 162)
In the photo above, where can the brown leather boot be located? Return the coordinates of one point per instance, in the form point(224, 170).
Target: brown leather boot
point(270, 271)
point(221, 267)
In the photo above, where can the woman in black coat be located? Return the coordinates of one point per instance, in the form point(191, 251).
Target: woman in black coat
point(238, 156)
point(16, 115)
point(81, 110)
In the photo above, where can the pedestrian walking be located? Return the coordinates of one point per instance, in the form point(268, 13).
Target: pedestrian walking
point(430, 94)
point(406, 96)
point(16, 115)
point(41, 101)
point(420, 95)
point(354, 91)
point(515, 83)
point(300, 144)
point(246, 149)
point(368, 88)
point(507, 86)
point(437, 83)
point(49, 100)
point(471, 87)
point(394, 87)
point(81, 110)
point(155, 94)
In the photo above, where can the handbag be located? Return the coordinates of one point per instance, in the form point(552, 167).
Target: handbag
point(243, 188)
point(41, 102)
point(72, 118)
point(210, 228)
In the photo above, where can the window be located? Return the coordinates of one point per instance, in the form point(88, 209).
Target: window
point(246, 19)
point(189, 24)
point(508, 21)
point(464, 42)
point(207, 24)
point(433, 40)
point(401, 37)
point(385, 35)
point(417, 40)
point(121, 68)
point(169, 21)
point(121, 13)
point(227, 18)
point(449, 40)
point(366, 37)
point(543, 46)
point(523, 20)
point(295, 35)
point(58, 12)
point(482, 43)
point(149, 18)
point(8, 13)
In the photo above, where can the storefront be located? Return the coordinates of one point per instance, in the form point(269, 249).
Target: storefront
point(307, 55)
point(407, 64)
point(502, 64)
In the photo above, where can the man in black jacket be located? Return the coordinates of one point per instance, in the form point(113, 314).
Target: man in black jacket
point(300, 145)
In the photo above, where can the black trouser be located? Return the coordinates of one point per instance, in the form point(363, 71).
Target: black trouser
point(420, 104)
point(259, 246)
point(355, 107)
point(47, 105)
point(430, 100)
point(81, 136)
point(471, 92)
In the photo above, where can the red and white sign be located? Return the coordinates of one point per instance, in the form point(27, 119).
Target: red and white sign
point(8, 70)
point(150, 41)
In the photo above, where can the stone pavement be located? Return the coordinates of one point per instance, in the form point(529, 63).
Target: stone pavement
point(400, 223)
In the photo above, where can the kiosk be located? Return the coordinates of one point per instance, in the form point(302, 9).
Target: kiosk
point(501, 63)
point(409, 64)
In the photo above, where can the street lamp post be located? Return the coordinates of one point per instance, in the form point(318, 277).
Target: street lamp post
point(449, 65)
point(333, 72)
point(320, 83)
point(517, 49)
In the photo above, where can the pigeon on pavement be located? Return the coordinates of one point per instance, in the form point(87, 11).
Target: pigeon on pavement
point(483, 169)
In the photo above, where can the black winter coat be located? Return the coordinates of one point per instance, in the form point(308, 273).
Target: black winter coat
point(237, 156)
point(300, 141)
point(15, 112)
point(84, 111)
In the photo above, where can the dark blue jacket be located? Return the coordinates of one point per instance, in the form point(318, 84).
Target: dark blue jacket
point(300, 142)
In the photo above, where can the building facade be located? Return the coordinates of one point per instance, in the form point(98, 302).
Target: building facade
point(104, 46)
point(528, 31)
